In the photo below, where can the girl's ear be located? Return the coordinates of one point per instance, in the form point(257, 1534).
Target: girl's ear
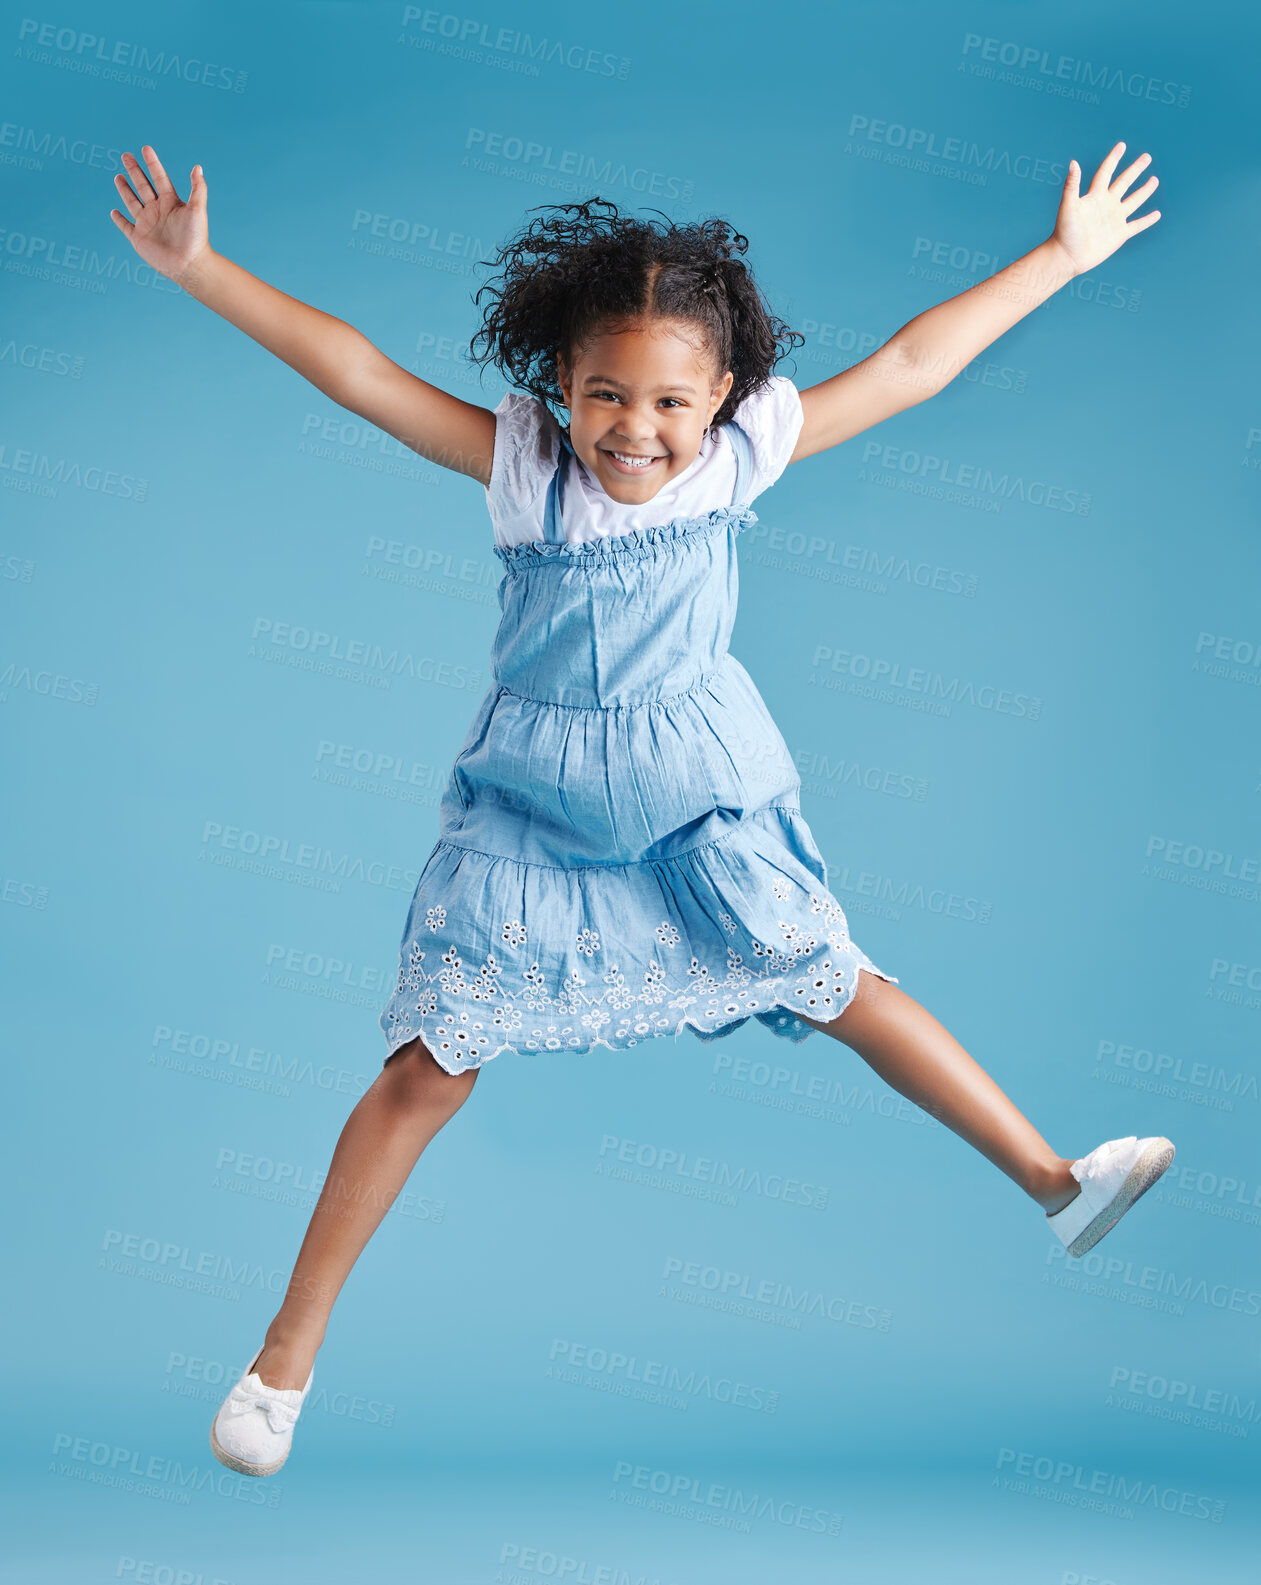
point(721, 387)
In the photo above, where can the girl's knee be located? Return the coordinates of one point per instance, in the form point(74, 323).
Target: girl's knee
point(417, 1078)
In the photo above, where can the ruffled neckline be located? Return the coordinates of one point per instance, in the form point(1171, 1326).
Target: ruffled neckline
point(635, 542)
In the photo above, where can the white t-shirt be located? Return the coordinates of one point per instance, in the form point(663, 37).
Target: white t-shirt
point(527, 444)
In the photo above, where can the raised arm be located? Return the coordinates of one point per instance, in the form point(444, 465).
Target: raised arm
point(927, 353)
point(173, 237)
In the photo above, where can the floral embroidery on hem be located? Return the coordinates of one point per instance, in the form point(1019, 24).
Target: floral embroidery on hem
point(805, 978)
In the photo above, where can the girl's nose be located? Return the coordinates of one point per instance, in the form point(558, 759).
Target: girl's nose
point(632, 427)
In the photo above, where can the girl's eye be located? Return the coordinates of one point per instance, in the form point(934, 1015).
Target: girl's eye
point(673, 401)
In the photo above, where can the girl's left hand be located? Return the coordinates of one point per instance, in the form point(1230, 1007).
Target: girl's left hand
point(1091, 226)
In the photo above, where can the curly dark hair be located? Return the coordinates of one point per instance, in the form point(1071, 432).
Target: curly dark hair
point(582, 265)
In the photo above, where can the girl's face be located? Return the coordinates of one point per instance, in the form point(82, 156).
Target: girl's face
point(639, 400)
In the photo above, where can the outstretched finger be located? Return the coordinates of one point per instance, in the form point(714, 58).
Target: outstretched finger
point(140, 177)
point(1104, 174)
point(122, 222)
point(1140, 195)
point(160, 179)
point(1129, 174)
point(1143, 221)
point(134, 206)
point(1072, 182)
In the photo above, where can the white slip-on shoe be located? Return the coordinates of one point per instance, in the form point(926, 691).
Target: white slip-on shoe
point(253, 1429)
point(1112, 1177)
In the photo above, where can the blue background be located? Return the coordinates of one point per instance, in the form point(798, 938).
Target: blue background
point(185, 1035)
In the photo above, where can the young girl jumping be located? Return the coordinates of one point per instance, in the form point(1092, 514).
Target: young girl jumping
point(621, 852)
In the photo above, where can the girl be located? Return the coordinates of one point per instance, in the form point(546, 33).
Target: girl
point(621, 850)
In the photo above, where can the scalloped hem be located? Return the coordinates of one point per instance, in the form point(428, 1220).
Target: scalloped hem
point(779, 1016)
point(521, 957)
point(635, 542)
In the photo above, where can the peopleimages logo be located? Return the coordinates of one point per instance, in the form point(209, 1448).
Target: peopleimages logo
point(428, 235)
point(38, 473)
point(468, 37)
point(150, 1571)
point(737, 1288)
point(956, 263)
point(932, 686)
point(77, 265)
point(653, 1378)
point(1218, 647)
point(791, 1087)
point(890, 565)
point(320, 650)
point(1074, 1479)
point(207, 1380)
point(1212, 867)
point(306, 859)
point(1158, 1281)
point(179, 1265)
point(1057, 69)
point(50, 684)
point(832, 773)
point(521, 1565)
point(1161, 1073)
point(1210, 1408)
point(977, 477)
point(118, 60)
point(665, 1160)
point(683, 1488)
point(962, 154)
point(582, 168)
point(153, 1474)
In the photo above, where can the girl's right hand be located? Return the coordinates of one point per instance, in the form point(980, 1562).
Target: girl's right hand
point(166, 232)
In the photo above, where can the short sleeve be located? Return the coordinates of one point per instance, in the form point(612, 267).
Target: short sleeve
point(772, 418)
point(527, 447)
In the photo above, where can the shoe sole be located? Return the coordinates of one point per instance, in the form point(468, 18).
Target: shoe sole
point(241, 1465)
point(1142, 1175)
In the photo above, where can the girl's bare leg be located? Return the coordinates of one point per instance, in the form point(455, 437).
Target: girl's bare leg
point(922, 1060)
point(395, 1119)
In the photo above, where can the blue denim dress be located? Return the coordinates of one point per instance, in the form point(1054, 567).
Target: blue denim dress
point(622, 853)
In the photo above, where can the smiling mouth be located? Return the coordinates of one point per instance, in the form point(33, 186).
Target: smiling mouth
point(633, 462)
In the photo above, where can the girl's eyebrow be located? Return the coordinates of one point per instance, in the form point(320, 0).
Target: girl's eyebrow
point(603, 379)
